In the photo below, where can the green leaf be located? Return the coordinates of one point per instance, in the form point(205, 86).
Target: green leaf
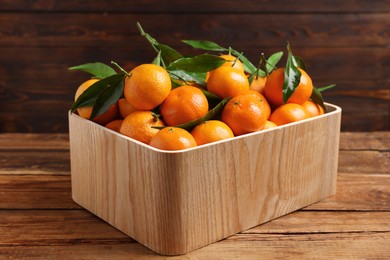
point(157, 60)
point(326, 87)
point(200, 63)
point(204, 45)
point(273, 60)
point(189, 77)
point(210, 115)
point(251, 78)
point(107, 97)
point(89, 96)
point(176, 83)
point(97, 69)
point(317, 98)
point(299, 63)
point(168, 54)
point(292, 76)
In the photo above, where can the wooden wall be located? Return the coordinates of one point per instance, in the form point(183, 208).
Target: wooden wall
point(343, 42)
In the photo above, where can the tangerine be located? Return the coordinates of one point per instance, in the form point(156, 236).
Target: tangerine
point(227, 81)
point(269, 125)
point(289, 113)
point(211, 131)
point(258, 84)
point(184, 104)
point(125, 108)
point(274, 85)
point(313, 108)
point(85, 112)
point(147, 86)
point(244, 114)
point(263, 100)
point(173, 138)
point(138, 125)
point(115, 125)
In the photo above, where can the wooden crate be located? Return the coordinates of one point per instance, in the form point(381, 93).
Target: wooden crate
point(174, 202)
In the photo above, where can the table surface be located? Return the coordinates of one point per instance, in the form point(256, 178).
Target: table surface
point(38, 218)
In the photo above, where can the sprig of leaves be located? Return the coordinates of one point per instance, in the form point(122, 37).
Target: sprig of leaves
point(292, 75)
point(212, 46)
point(168, 54)
point(101, 95)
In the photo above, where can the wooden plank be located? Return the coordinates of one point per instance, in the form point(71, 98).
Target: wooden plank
point(377, 141)
point(35, 162)
point(305, 222)
point(18, 141)
point(366, 245)
point(201, 6)
point(30, 233)
point(358, 192)
point(36, 192)
point(357, 162)
point(239, 31)
point(35, 227)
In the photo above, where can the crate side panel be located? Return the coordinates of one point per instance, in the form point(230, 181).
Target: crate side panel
point(235, 185)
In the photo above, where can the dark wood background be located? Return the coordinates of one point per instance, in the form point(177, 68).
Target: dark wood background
point(343, 42)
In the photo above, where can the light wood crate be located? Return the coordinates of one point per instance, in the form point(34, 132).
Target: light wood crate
point(174, 202)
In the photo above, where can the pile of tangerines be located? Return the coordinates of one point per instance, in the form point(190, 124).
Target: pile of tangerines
point(177, 102)
point(151, 110)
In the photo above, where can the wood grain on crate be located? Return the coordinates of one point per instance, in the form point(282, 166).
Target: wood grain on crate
point(175, 202)
point(334, 40)
point(352, 224)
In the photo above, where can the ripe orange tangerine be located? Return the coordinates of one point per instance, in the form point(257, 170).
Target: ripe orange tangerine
point(125, 108)
point(138, 125)
point(115, 125)
point(258, 84)
point(263, 100)
point(184, 104)
point(244, 114)
point(269, 124)
point(274, 85)
point(313, 108)
point(211, 131)
point(289, 113)
point(227, 81)
point(147, 87)
point(173, 138)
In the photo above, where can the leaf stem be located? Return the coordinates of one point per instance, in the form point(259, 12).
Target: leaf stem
point(121, 69)
point(238, 56)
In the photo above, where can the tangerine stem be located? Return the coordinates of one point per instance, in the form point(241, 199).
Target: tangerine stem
point(155, 117)
point(262, 58)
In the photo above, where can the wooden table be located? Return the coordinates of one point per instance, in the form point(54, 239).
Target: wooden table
point(38, 218)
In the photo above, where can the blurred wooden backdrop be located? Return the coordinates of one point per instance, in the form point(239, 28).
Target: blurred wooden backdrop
point(343, 42)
